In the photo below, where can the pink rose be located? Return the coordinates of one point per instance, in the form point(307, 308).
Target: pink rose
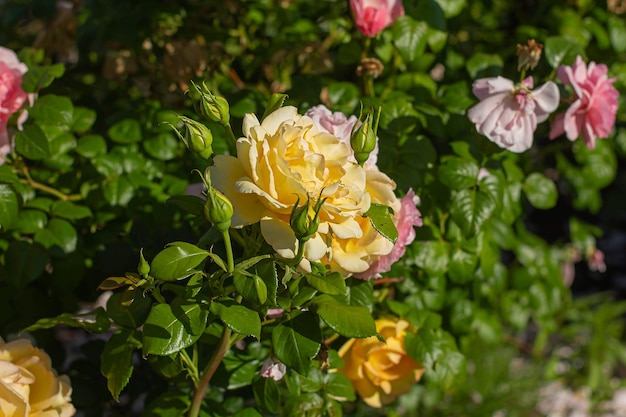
point(338, 125)
point(408, 217)
point(372, 16)
point(592, 115)
point(12, 97)
point(508, 114)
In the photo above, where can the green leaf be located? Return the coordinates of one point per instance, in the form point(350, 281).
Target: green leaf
point(458, 173)
point(32, 143)
point(409, 37)
point(96, 321)
point(7, 175)
point(91, 146)
point(53, 110)
point(462, 267)
point(59, 233)
point(25, 262)
point(333, 283)
point(29, 221)
point(297, 341)
point(433, 257)
point(380, 217)
point(69, 210)
point(347, 320)
point(266, 394)
point(559, 50)
point(617, 33)
point(118, 191)
point(261, 289)
point(239, 318)
point(117, 360)
point(540, 190)
point(163, 147)
point(360, 292)
point(9, 207)
point(452, 8)
point(165, 333)
point(168, 404)
point(339, 387)
point(484, 65)
point(470, 209)
point(39, 77)
point(190, 203)
point(267, 271)
point(177, 261)
point(125, 131)
point(84, 118)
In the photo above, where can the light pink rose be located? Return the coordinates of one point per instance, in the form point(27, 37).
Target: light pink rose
point(508, 114)
point(408, 217)
point(337, 124)
point(272, 368)
point(372, 16)
point(592, 115)
point(12, 97)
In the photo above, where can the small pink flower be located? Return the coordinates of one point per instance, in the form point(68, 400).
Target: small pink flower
point(508, 114)
point(272, 368)
point(372, 16)
point(12, 96)
point(338, 125)
point(592, 115)
point(408, 217)
point(595, 260)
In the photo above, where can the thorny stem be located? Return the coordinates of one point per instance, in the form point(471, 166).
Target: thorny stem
point(207, 374)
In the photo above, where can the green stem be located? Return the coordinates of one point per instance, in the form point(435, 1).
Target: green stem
point(46, 189)
point(231, 136)
point(230, 262)
point(207, 374)
point(190, 365)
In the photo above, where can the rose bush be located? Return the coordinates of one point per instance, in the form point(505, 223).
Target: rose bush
point(592, 114)
point(381, 371)
point(29, 387)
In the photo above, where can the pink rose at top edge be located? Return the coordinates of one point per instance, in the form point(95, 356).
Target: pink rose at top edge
point(408, 217)
point(336, 123)
point(592, 114)
point(508, 114)
point(372, 16)
point(12, 96)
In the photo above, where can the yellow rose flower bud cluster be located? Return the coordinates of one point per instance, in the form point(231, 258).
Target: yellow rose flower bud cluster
point(286, 159)
point(381, 371)
point(29, 387)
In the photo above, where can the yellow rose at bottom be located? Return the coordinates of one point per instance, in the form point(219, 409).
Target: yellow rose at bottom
point(379, 371)
point(29, 387)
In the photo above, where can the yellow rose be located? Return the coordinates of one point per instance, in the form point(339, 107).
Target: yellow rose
point(380, 371)
point(29, 387)
point(286, 158)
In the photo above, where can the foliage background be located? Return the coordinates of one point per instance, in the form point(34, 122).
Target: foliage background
point(111, 73)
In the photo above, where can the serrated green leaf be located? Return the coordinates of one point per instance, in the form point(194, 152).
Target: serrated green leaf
point(177, 261)
point(380, 217)
point(347, 320)
point(165, 333)
point(32, 143)
point(409, 37)
point(9, 207)
point(91, 146)
point(53, 110)
point(458, 173)
point(118, 191)
point(69, 210)
point(117, 360)
point(540, 190)
point(96, 321)
point(333, 283)
point(470, 209)
point(297, 341)
point(239, 318)
point(125, 131)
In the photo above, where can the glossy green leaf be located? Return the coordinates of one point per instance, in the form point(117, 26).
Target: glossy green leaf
point(32, 143)
point(332, 283)
point(561, 51)
point(617, 33)
point(239, 318)
point(58, 233)
point(470, 209)
point(297, 341)
point(347, 320)
point(266, 394)
point(39, 77)
point(458, 173)
point(339, 387)
point(117, 360)
point(84, 118)
point(9, 207)
point(169, 329)
point(164, 146)
point(53, 110)
point(540, 190)
point(409, 37)
point(177, 261)
point(125, 131)
point(380, 217)
point(452, 8)
point(69, 210)
point(30, 221)
point(118, 191)
point(462, 266)
point(484, 65)
point(96, 321)
point(91, 146)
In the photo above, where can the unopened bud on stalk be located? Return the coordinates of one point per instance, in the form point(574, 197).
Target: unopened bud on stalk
point(143, 267)
point(210, 106)
point(363, 139)
point(217, 208)
point(196, 136)
point(302, 223)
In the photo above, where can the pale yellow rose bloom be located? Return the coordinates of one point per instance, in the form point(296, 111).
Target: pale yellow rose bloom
point(29, 387)
point(286, 158)
point(380, 371)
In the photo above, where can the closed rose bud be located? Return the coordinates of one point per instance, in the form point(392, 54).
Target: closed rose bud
point(196, 136)
point(210, 106)
point(363, 139)
point(218, 209)
point(143, 267)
